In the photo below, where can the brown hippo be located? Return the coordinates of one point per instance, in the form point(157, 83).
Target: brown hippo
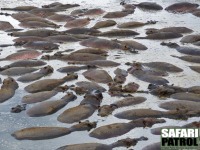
point(190, 38)
point(4, 25)
point(181, 7)
point(99, 63)
point(118, 129)
point(161, 36)
point(181, 30)
point(37, 24)
point(102, 44)
point(76, 23)
point(92, 51)
point(8, 89)
point(87, 31)
point(62, 39)
point(22, 55)
point(90, 86)
point(118, 32)
point(100, 76)
point(103, 24)
point(42, 133)
point(41, 45)
point(195, 68)
point(149, 6)
point(22, 15)
point(135, 24)
point(20, 8)
point(16, 71)
point(186, 96)
point(44, 95)
point(61, 18)
point(189, 58)
point(49, 107)
point(25, 39)
point(94, 11)
point(43, 12)
point(154, 146)
point(117, 14)
point(70, 69)
point(97, 146)
point(106, 110)
point(37, 75)
point(48, 84)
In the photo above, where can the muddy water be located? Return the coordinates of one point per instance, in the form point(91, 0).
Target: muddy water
point(11, 122)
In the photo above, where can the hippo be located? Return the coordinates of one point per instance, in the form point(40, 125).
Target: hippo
point(149, 6)
point(102, 44)
point(44, 95)
point(103, 24)
point(133, 114)
point(161, 36)
point(36, 32)
point(62, 39)
point(100, 76)
point(42, 133)
point(37, 24)
point(37, 75)
point(106, 110)
point(18, 108)
point(196, 12)
point(8, 89)
point(76, 114)
point(20, 8)
point(61, 18)
point(25, 39)
point(22, 15)
point(132, 44)
point(92, 51)
point(194, 124)
point(130, 87)
point(99, 63)
point(49, 107)
point(183, 104)
point(38, 19)
point(70, 69)
point(180, 30)
point(154, 146)
point(117, 14)
point(22, 55)
point(90, 86)
point(93, 98)
point(25, 63)
point(157, 131)
point(97, 146)
point(194, 89)
point(183, 49)
point(118, 32)
point(41, 45)
point(195, 68)
point(118, 129)
point(135, 24)
point(94, 11)
point(48, 84)
point(189, 58)
point(87, 31)
point(163, 66)
point(76, 23)
point(43, 12)
point(16, 71)
point(60, 6)
point(4, 25)
point(186, 96)
point(190, 38)
point(181, 7)
point(76, 57)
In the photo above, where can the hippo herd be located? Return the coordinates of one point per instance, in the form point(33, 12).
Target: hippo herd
point(44, 30)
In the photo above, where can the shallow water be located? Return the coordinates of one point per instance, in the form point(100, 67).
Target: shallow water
point(11, 122)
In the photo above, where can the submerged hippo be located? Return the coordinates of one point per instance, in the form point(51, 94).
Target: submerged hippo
point(61, 18)
point(37, 75)
point(87, 31)
point(99, 63)
point(48, 84)
point(97, 146)
point(42, 133)
point(182, 7)
point(50, 107)
point(41, 45)
point(118, 32)
point(195, 68)
point(20, 8)
point(189, 58)
point(135, 24)
point(190, 38)
point(25, 39)
point(76, 23)
point(186, 96)
point(37, 24)
point(62, 39)
point(70, 69)
point(117, 14)
point(90, 86)
point(118, 129)
point(8, 89)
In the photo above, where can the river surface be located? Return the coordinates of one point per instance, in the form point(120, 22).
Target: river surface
point(10, 122)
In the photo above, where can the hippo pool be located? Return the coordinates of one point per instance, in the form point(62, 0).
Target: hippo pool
point(182, 76)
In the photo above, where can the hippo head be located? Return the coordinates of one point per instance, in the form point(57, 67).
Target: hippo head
point(151, 31)
point(82, 126)
point(106, 110)
point(10, 83)
point(131, 87)
point(61, 88)
point(149, 122)
point(135, 66)
point(113, 86)
point(47, 70)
